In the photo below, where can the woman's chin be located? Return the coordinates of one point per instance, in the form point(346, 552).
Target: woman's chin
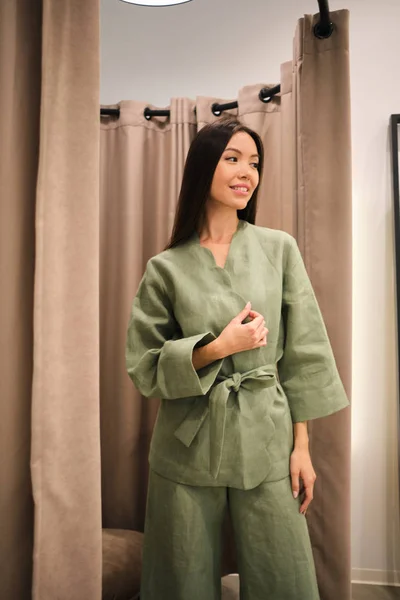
point(241, 204)
point(237, 203)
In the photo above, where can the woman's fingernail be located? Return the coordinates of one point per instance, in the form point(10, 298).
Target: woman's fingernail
point(295, 494)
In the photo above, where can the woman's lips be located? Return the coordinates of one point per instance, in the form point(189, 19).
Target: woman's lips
point(240, 192)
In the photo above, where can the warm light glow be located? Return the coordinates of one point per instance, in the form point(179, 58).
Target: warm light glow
point(156, 2)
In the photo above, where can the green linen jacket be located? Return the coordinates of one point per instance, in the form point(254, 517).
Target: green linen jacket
point(230, 423)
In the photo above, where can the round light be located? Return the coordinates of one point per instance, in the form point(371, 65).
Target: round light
point(156, 2)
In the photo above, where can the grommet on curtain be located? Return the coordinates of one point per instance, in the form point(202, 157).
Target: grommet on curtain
point(214, 109)
point(321, 33)
point(267, 94)
point(264, 99)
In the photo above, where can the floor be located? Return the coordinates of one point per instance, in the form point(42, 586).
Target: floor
point(230, 590)
point(375, 592)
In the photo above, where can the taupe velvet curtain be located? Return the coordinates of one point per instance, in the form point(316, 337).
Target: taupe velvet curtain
point(306, 191)
point(50, 514)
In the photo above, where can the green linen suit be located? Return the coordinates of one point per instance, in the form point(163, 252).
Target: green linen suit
point(230, 424)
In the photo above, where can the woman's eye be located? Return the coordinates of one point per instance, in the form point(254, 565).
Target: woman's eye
point(256, 165)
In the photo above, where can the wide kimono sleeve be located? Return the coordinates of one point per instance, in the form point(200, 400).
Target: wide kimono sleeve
point(307, 370)
point(158, 358)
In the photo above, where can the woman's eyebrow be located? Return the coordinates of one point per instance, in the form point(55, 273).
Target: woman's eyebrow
point(238, 151)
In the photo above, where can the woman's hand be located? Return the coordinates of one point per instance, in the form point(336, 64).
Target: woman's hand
point(237, 337)
point(301, 467)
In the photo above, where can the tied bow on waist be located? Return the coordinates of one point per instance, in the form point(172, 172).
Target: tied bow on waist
point(259, 378)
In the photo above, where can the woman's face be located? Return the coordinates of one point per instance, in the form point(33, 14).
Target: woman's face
point(237, 168)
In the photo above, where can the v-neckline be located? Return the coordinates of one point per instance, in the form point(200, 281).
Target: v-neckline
point(241, 224)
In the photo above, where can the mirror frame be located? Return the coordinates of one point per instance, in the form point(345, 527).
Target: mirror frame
point(394, 146)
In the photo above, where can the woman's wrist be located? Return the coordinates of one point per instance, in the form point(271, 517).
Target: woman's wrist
point(300, 433)
point(217, 349)
point(205, 355)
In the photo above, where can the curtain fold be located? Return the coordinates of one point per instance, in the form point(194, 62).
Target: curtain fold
point(19, 132)
point(306, 191)
point(65, 459)
point(324, 231)
point(50, 517)
point(141, 169)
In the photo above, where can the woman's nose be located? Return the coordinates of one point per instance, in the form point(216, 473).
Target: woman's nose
point(245, 171)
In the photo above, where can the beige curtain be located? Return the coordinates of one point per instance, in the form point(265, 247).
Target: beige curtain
point(50, 515)
point(306, 191)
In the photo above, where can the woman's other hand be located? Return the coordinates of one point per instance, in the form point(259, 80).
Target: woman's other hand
point(301, 468)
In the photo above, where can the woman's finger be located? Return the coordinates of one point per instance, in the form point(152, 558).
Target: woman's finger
point(255, 324)
point(263, 335)
point(260, 328)
point(253, 314)
point(309, 495)
point(295, 483)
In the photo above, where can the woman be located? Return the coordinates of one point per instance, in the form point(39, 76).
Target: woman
point(226, 331)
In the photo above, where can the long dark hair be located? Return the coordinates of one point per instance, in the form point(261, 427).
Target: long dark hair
point(202, 159)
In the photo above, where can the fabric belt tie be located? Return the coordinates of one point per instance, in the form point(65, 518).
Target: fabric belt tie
point(259, 378)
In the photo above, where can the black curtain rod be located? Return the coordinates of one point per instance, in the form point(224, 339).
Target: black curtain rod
point(322, 30)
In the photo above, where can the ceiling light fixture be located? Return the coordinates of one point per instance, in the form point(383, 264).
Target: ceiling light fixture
point(156, 2)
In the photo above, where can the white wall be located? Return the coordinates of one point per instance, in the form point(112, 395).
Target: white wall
point(214, 47)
